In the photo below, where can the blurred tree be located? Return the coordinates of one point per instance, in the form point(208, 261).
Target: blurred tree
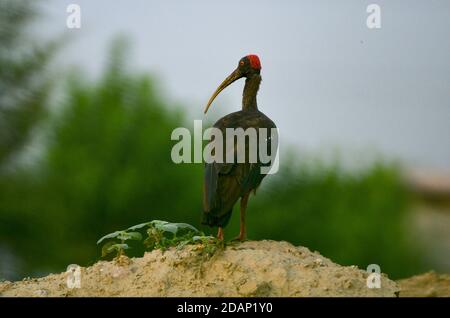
point(107, 166)
point(24, 88)
point(23, 79)
point(353, 217)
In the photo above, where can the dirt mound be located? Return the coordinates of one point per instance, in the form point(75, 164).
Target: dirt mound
point(426, 285)
point(253, 268)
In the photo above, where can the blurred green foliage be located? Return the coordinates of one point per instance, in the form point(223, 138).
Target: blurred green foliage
point(106, 165)
point(24, 83)
point(352, 217)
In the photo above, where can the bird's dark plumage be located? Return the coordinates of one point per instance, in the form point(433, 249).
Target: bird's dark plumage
point(226, 182)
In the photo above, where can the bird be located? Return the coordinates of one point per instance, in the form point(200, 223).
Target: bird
point(227, 182)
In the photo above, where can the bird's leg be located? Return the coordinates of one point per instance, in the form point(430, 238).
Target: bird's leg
point(243, 231)
point(220, 234)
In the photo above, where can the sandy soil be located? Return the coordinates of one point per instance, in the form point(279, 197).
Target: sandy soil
point(426, 285)
point(253, 268)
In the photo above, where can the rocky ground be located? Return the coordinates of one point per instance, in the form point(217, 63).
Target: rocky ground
point(253, 268)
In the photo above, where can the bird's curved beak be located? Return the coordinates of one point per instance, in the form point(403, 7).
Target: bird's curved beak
point(229, 80)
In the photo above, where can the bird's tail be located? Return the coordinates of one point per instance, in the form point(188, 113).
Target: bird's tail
point(212, 219)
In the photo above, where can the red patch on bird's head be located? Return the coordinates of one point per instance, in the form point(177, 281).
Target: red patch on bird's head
point(254, 61)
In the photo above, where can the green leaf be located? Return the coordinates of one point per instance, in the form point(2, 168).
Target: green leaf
point(138, 226)
point(169, 227)
point(122, 236)
point(158, 222)
point(109, 236)
point(185, 226)
point(134, 236)
point(118, 247)
point(111, 247)
point(106, 248)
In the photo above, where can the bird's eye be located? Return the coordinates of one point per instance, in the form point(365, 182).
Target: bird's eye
point(241, 63)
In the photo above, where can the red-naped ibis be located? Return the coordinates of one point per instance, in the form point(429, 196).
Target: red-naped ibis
point(225, 183)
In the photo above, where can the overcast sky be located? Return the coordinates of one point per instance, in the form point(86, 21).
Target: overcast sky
point(328, 80)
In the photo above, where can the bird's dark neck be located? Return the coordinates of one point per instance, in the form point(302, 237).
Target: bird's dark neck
point(250, 90)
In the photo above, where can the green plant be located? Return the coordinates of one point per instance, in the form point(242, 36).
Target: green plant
point(160, 235)
point(121, 246)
